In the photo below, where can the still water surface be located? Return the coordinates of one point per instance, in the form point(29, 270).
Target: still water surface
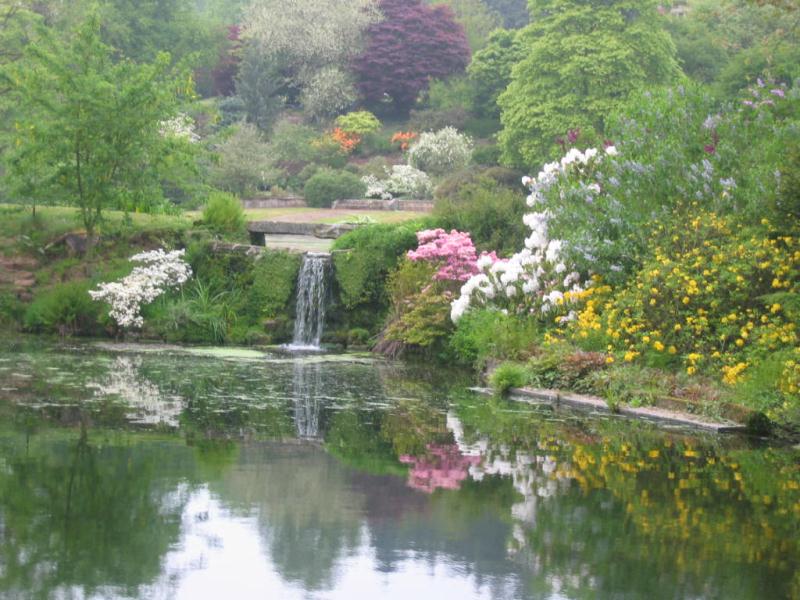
point(154, 472)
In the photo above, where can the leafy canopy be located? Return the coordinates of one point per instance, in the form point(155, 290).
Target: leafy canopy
point(413, 44)
point(89, 128)
point(581, 60)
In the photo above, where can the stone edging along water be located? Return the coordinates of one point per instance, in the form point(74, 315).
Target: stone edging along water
point(659, 416)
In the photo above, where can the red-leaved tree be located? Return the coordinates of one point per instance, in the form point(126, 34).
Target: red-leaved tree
point(413, 44)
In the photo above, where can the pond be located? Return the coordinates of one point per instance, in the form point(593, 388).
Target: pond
point(159, 472)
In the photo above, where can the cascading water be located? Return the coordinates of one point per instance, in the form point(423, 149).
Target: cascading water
point(312, 296)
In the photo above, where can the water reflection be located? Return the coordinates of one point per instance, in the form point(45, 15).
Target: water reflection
point(141, 475)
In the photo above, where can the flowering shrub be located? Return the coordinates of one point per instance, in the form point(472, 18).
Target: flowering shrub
point(403, 139)
point(424, 286)
point(710, 299)
point(181, 126)
point(402, 180)
point(347, 140)
point(441, 152)
point(670, 146)
point(536, 280)
point(158, 272)
point(454, 251)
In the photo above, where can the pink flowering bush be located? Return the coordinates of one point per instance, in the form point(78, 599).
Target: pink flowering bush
point(454, 251)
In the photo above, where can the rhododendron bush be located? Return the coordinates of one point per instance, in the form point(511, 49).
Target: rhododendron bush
point(157, 272)
point(424, 286)
point(539, 279)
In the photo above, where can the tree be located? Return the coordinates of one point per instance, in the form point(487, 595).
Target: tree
point(580, 60)
point(412, 45)
point(513, 12)
point(490, 70)
point(476, 18)
point(314, 42)
point(89, 128)
point(263, 87)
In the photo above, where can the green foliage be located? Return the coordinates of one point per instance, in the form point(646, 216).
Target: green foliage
point(66, 309)
point(360, 122)
point(223, 214)
point(476, 18)
point(434, 119)
point(484, 335)
point(327, 185)
point(274, 282)
point(490, 70)
point(244, 164)
point(788, 201)
point(508, 375)
point(89, 128)
point(487, 155)
point(262, 87)
point(491, 212)
point(580, 60)
point(373, 252)
point(420, 318)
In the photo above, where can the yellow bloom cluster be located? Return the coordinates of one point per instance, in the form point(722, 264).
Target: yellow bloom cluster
point(710, 299)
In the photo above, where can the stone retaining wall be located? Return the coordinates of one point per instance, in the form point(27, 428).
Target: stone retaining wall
point(372, 204)
point(288, 202)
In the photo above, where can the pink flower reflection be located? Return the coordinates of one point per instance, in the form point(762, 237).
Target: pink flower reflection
point(443, 466)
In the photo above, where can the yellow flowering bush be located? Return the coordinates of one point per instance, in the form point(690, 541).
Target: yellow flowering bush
point(713, 298)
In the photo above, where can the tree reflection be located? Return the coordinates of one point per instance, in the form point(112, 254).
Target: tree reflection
point(82, 514)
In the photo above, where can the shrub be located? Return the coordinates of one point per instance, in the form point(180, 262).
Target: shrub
point(434, 119)
point(420, 305)
point(274, 282)
point(374, 251)
point(244, 165)
point(491, 213)
point(440, 152)
point(402, 180)
point(360, 122)
point(291, 142)
point(66, 309)
point(712, 299)
point(484, 335)
point(488, 155)
point(223, 214)
point(326, 186)
point(507, 376)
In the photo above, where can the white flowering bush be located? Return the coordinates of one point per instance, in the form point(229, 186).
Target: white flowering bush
point(402, 180)
point(441, 152)
point(181, 127)
point(157, 272)
point(539, 280)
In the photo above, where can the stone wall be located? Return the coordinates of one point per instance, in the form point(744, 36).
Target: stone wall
point(288, 202)
point(371, 204)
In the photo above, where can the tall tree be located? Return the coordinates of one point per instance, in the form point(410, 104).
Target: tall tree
point(476, 18)
point(490, 70)
point(581, 59)
point(413, 44)
point(89, 129)
point(514, 12)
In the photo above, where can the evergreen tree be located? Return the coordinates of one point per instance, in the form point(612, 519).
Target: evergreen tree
point(581, 58)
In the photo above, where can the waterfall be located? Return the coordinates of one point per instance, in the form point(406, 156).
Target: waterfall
point(311, 299)
point(307, 394)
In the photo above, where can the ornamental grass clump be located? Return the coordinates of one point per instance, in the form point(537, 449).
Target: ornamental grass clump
point(157, 272)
